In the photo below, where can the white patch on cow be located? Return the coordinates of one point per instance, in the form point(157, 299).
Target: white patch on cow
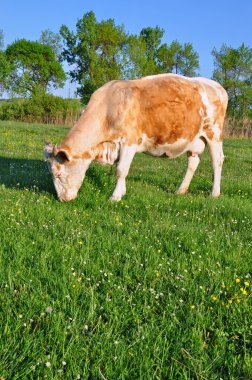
point(150, 77)
point(197, 146)
point(208, 105)
point(175, 149)
point(217, 132)
point(219, 93)
point(163, 76)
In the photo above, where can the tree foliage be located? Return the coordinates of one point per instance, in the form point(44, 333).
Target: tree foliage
point(34, 68)
point(178, 59)
point(233, 69)
point(52, 39)
point(1, 39)
point(102, 51)
point(142, 53)
point(4, 65)
point(95, 51)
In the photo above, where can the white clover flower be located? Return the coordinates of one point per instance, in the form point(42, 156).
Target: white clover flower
point(49, 310)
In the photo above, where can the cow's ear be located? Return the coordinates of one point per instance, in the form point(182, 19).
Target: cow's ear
point(62, 155)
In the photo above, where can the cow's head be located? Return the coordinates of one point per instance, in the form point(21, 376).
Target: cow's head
point(68, 172)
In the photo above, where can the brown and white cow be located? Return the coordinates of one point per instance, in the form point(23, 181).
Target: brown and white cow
point(163, 114)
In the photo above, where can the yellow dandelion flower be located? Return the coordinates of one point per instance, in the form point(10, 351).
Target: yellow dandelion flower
point(242, 289)
point(246, 283)
point(214, 298)
point(230, 301)
point(80, 242)
point(157, 274)
point(237, 280)
point(223, 286)
point(203, 345)
point(238, 300)
point(192, 307)
point(245, 293)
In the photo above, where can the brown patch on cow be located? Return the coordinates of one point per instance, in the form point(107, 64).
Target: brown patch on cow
point(98, 152)
point(170, 109)
point(219, 109)
point(58, 167)
point(208, 131)
point(86, 155)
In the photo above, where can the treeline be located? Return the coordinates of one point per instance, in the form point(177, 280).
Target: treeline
point(98, 52)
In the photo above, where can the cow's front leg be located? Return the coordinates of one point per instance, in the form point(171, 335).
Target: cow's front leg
point(127, 153)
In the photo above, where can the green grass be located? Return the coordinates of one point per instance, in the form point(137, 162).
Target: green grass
point(146, 288)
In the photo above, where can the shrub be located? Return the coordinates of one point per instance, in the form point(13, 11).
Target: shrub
point(48, 109)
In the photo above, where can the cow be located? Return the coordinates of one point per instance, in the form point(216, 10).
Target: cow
point(162, 115)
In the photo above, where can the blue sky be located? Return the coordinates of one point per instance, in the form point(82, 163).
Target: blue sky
point(206, 24)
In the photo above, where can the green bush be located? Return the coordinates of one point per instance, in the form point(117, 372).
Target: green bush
point(46, 108)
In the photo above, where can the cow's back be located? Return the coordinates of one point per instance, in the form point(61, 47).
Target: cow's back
point(166, 107)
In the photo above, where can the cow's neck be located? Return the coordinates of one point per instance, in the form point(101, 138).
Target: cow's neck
point(86, 134)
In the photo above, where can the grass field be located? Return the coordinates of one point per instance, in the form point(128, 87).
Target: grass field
point(156, 286)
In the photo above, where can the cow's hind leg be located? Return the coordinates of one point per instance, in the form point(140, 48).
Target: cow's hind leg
point(193, 162)
point(126, 156)
point(217, 156)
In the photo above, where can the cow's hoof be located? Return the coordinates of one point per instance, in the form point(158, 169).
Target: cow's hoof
point(181, 191)
point(115, 198)
point(215, 195)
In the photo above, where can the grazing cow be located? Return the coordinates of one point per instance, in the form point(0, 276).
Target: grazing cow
point(164, 114)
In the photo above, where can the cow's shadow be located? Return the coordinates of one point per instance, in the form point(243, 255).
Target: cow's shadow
point(31, 174)
point(22, 173)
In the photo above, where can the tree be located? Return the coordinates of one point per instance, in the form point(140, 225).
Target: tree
point(52, 39)
point(96, 52)
point(4, 65)
point(136, 62)
point(152, 39)
point(99, 52)
point(1, 39)
point(233, 70)
point(34, 68)
point(178, 58)
point(141, 52)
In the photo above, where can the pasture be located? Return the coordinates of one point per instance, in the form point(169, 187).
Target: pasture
point(156, 286)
